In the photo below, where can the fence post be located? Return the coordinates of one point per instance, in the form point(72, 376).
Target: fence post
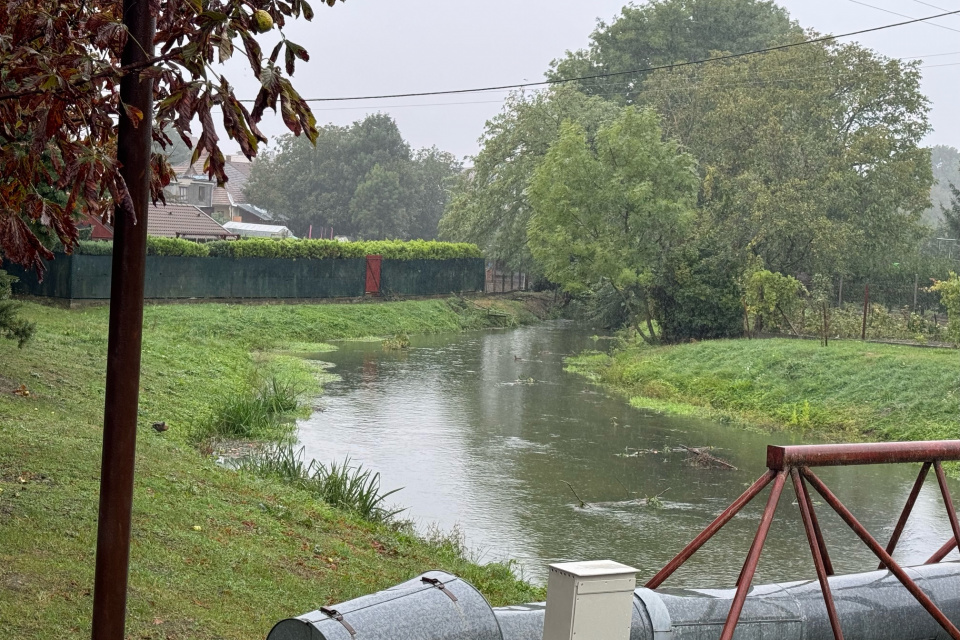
point(916, 281)
point(840, 295)
point(866, 303)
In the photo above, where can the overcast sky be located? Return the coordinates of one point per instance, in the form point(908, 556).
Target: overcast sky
point(365, 47)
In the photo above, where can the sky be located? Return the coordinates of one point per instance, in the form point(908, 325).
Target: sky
point(364, 47)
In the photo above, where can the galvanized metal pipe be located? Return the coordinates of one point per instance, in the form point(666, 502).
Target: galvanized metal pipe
point(870, 606)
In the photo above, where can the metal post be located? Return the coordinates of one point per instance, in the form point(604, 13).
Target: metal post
point(812, 539)
point(884, 557)
point(821, 544)
point(866, 303)
point(753, 558)
point(124, 336)
point(907, 508)
point(711, 530)
point(947, 500)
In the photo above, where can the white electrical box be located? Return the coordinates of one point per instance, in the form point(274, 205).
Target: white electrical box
point(589, 601)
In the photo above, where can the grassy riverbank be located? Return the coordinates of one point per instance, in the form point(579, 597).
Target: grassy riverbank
point(216, 554)
point(849, 390)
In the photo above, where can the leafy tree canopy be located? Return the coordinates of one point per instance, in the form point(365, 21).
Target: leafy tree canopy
point(609, 212)
point(363, 180)
point(810, 156)
point(59, 103)
point(490, 206)
point(944, 197)
point(664, 32)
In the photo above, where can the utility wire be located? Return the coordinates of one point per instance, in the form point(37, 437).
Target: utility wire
point(902, 15)
point(729, 56)
point(610, 93)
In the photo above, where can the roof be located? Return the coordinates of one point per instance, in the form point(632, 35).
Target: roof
point(182, 221)
point(262, 213)
point(258, 230)
point(237, 170)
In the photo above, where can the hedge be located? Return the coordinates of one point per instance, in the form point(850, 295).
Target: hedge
point(156, 246)
point(296, 249)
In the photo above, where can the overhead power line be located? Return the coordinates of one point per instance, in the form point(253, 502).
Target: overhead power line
point(903, 15)
point(729, 56)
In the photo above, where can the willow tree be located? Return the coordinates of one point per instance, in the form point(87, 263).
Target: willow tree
point(610, 212)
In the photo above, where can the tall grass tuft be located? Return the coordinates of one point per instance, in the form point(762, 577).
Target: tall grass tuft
point(351, 488)
point(260, 413)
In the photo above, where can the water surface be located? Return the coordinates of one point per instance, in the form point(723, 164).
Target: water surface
point(485, 430)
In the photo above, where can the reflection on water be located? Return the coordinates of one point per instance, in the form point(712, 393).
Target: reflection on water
point(486, 430)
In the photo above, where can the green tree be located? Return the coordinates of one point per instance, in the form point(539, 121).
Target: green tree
point(951, 214)
point(664, 32)
point(609, 212)
point(810, 157)
point(945, 161)
point(432, 175)
point(12, 326)
point(490, 204)
point(318, 184)
point(378, 206)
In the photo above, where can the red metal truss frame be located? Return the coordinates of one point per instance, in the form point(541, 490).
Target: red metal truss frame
point(795, 461)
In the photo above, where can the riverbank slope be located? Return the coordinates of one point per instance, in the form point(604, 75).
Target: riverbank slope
point(216, 554)
point(848, 390)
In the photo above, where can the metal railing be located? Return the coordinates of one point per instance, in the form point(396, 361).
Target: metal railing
point(796, 461)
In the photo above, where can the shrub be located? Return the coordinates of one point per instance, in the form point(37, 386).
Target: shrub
point(949, 291)
point(326, 249)
point(11, 326)
point(156, 246)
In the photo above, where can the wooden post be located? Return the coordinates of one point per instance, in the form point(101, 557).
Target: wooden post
point(916, 281)
point(125, 334)
point(840, 295)
point(866, 304)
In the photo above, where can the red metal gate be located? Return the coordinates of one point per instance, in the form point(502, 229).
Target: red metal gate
point(373, 275)
point(795, 462)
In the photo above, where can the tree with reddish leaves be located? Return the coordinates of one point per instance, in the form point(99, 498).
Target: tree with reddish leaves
point(60, 75)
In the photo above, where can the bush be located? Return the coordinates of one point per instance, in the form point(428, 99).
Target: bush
point(326, 249)
point(949, 291)
point(11, 326)
point(156, 246)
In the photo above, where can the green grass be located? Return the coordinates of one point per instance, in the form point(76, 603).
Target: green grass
point(215, 553)
point(849, 390)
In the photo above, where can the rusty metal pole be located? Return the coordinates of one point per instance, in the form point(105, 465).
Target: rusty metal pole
point(947, 500)
point(711, 530)
point(812, 539)
point(881, 554)
point(907, 509)
point(125, 336)
point(753, 558)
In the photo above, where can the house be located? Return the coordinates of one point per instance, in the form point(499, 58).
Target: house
point(184, 221)
point(172, 220)
point(224, 203)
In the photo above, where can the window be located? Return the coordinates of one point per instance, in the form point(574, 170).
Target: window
point(183, 192)
point(204, 193)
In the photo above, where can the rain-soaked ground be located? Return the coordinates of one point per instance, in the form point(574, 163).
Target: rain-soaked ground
point(486, 432)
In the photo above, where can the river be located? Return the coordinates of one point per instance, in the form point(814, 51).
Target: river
point(485, 430)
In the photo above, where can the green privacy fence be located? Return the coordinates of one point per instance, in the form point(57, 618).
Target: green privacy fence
point(87, 277)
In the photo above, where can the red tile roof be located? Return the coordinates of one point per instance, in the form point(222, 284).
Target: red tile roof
point(182, 221)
